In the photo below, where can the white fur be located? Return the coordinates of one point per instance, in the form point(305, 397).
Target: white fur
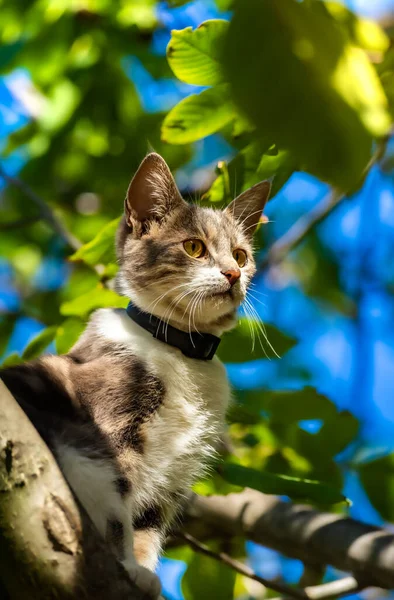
point(183, 433)
point(93, 484)
point(178, 440)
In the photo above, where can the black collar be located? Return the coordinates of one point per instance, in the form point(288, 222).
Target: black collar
point(194, 345)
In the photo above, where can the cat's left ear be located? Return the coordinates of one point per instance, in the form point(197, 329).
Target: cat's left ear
point(248, 206)
point(152, 192)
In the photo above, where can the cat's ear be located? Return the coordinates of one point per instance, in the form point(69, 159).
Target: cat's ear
point(152, 192)
point(248, 206)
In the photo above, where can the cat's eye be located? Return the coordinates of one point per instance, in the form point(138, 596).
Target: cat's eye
point(194, 248)
point(240, 257)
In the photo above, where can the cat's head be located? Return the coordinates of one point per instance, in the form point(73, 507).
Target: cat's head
point(186, 264)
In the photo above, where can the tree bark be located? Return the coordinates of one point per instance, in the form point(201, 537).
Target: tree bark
point(49, 549)
point(298, 531)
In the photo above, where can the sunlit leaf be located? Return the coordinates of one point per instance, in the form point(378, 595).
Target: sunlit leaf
point(198, 115)
point(62, 102)
point(38, 344)
point(237, 346)
point(224, 4)
point(270, 483)
point(327, 88)
point(96, 298)
point(194, 55)
point(12, 359)
point(253, 164)
point(68, 333)
point(100, 250)
point(366, 33)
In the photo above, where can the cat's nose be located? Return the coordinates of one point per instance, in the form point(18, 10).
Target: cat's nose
point(232, 275)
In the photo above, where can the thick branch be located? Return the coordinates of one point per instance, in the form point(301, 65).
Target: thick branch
point(298, 232)
point(300, 532)
point(48, 547)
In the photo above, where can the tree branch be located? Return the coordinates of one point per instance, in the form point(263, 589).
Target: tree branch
point(298, 531)
point(45, 210)
point(300, 229)
point(48, 546)
point(348, 584)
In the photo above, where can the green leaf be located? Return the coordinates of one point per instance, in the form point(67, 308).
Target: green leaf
point(194, 55)
point(12, 359)
point(37, 346)
point(377, 478)
point(101, 249)
point(237, 346)
point(224, 5)
point(364, 32)
point(198, 115)
point(297, 77)
point(217, 582)
point(68, 333)
point(284, 407)
point(8, 52)
point(253, 164)
point(97, 298)
point(289, 406)
point(63, 99)
point(270, 483)
point(337, 433)
point(6, 328)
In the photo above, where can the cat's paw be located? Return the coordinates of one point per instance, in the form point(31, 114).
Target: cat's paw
point(147, 581)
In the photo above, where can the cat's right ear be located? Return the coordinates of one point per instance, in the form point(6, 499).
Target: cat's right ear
point(247, 208)
point(152, 193)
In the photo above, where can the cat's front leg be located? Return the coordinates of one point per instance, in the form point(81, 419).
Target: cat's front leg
point(95, 482)
point(147, 546)
point(121, 539)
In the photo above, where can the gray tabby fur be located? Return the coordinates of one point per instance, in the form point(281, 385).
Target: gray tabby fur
point(131, 420)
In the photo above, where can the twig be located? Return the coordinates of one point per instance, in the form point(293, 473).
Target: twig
point(297, 232)
point(45, 211)
point(300, 229)
point(328, 590)
point(241, 568)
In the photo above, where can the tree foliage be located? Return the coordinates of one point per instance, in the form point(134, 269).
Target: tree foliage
point(290, 86)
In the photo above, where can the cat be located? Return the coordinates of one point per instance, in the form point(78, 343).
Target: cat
point(134, 411)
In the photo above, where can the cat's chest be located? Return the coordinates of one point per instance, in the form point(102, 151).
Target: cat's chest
point(180, 436)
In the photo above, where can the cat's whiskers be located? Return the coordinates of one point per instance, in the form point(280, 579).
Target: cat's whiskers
point(260, 325)
point(173, 305)
point(190, 314)
point(248, 217)
point(177, 301)
point(256, 291)
point(256, 299)
point(195, 307)
point(155, 302)
point(250, 324)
